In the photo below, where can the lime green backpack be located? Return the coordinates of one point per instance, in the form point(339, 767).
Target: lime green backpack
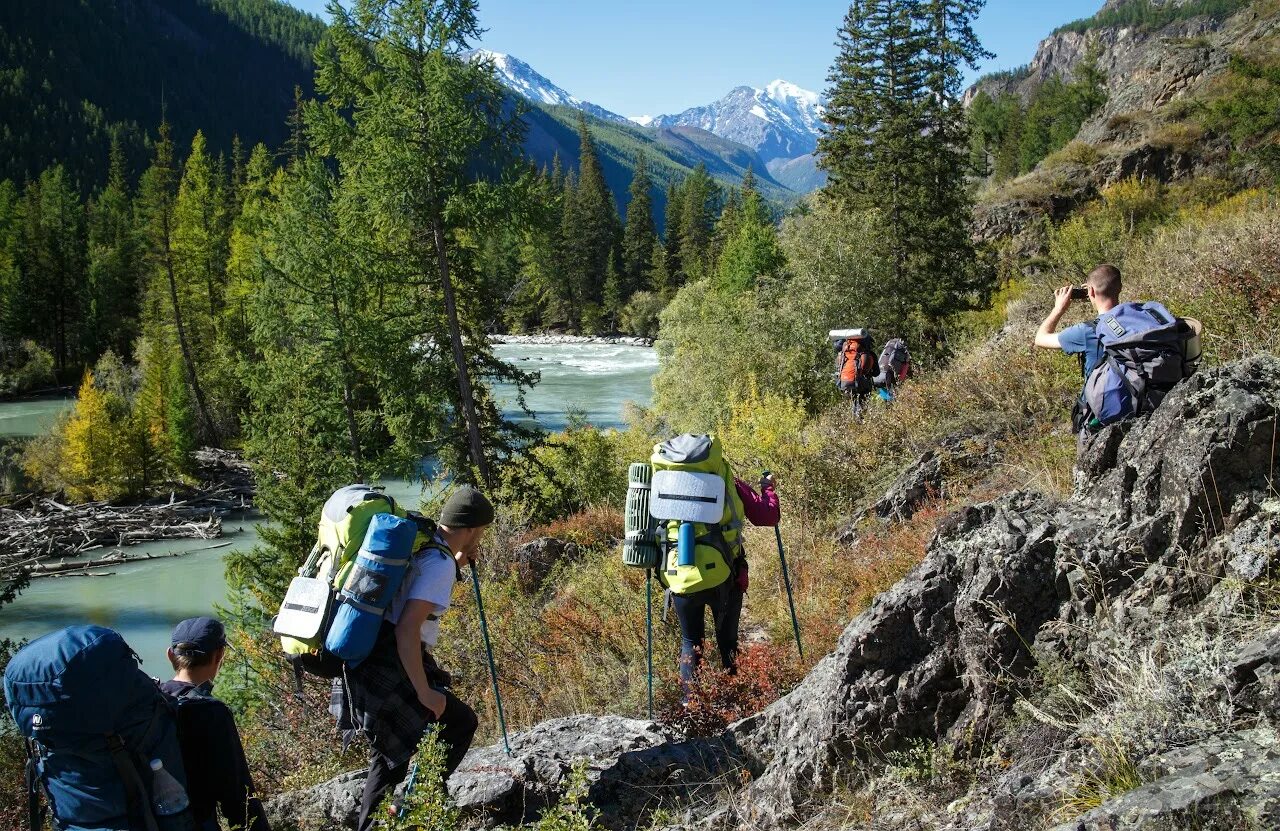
point(309, 605)
point(693, 496)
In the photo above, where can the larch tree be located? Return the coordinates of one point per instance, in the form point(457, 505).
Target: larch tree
point(427, 144)
point(166, 307)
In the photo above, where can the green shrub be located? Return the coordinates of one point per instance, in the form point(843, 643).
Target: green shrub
point(427, 804)
point(24, 365)
point(568, 472)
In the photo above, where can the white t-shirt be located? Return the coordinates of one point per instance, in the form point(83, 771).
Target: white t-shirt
point(432, 578)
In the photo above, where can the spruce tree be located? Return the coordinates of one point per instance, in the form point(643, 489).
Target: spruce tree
point(51, 265)
point(112, 298)
point(673, 218)
point(700, 198)
point(896, 145)
point(639, 234)
point(595, 217)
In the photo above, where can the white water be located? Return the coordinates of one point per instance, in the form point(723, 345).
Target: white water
point(144, 600)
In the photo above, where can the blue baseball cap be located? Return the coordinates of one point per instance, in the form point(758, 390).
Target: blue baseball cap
point(199, 634)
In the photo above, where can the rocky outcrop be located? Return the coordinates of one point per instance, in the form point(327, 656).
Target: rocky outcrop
point(1231, 782)
point(1166, 508)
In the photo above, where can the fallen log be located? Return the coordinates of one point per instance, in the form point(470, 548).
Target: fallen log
point(116, 558)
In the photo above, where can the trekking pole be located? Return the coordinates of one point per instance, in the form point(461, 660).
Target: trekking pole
point(786, 579)
point(398, 805)
point(648, 608)
point(488, 649)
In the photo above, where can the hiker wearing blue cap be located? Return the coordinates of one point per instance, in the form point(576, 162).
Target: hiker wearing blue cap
point(217, 774)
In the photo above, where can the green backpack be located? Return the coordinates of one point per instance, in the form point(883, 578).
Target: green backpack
point(309, 605)
point(693, 486)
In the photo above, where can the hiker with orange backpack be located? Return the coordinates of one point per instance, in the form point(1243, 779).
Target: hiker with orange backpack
point(855, 366)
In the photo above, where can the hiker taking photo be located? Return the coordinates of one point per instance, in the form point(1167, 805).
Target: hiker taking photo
point(396, 693)
point(1131, 355)
point(218, 779)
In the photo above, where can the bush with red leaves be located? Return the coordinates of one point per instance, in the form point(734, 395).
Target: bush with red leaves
point(718, 698)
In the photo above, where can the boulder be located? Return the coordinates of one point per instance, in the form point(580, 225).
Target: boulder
point(926, 477)
point(534, 560)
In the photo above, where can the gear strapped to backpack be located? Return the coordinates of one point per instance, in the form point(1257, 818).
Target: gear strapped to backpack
point(699, 513)
point(855, 364)
point(1147, 351)
point(333, 609)
point(94, 721)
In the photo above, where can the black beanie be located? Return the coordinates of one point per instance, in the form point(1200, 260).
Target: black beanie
point(466, 508)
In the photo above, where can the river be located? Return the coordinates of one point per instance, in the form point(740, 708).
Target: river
point(144, 600)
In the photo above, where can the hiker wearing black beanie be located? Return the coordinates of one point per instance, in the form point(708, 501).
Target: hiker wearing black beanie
point(399, 690)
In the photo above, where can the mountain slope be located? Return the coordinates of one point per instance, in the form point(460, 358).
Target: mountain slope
point(74, 74)
point(672, 153)
point(521, 78)
point(781, 122)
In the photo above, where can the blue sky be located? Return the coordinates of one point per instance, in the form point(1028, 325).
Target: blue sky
point(664, 56)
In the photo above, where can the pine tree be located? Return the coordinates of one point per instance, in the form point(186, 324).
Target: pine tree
point(659, 279)
point(639, 234)
point(166, 305)
point(112, 298)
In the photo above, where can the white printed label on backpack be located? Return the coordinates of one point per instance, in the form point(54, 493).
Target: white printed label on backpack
point(36, 722)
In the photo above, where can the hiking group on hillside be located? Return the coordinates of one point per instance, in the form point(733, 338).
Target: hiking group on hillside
point(113, 749)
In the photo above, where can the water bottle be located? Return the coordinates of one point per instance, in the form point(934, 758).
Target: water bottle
point(168, 797)
point(685, 543)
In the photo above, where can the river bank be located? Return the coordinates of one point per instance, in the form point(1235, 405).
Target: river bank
point(553, 339)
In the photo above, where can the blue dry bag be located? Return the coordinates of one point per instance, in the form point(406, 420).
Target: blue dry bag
point(94, 720)
point(371, 586)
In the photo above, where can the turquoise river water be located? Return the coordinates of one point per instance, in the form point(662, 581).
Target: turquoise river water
point(144, 600)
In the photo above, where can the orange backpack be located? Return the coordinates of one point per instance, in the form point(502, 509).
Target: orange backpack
point(857, 366)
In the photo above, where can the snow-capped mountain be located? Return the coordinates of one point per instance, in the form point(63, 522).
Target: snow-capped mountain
point(781, 121)
point(519, 77)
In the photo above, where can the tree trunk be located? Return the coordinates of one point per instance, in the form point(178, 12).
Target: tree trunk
point(188, 361)
point(459, 356)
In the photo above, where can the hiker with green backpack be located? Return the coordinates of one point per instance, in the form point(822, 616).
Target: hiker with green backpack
point(399, 690)
point(700, 507)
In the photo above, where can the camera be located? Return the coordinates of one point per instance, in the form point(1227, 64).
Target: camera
point(1079, 292)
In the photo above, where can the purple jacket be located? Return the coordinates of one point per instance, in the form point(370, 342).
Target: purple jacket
point(761, 508)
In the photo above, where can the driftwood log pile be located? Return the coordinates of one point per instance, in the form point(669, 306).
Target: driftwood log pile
point(42, 536)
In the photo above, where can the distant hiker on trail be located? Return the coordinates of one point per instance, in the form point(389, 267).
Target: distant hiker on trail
point(855, 365)
point(1131, 355)
point(217, 774)
point(705, 566)
point(396, 693)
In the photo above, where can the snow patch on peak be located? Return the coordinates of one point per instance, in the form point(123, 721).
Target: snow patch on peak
point(785, 91)
point(642, 120)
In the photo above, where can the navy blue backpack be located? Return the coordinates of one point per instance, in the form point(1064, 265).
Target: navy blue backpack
point(93, 721)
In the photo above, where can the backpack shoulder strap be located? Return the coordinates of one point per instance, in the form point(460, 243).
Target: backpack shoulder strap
point(35, 809)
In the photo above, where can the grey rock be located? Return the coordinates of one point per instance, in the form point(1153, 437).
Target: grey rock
point(926, 477)
point(331, 805)
point(1227, 782)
